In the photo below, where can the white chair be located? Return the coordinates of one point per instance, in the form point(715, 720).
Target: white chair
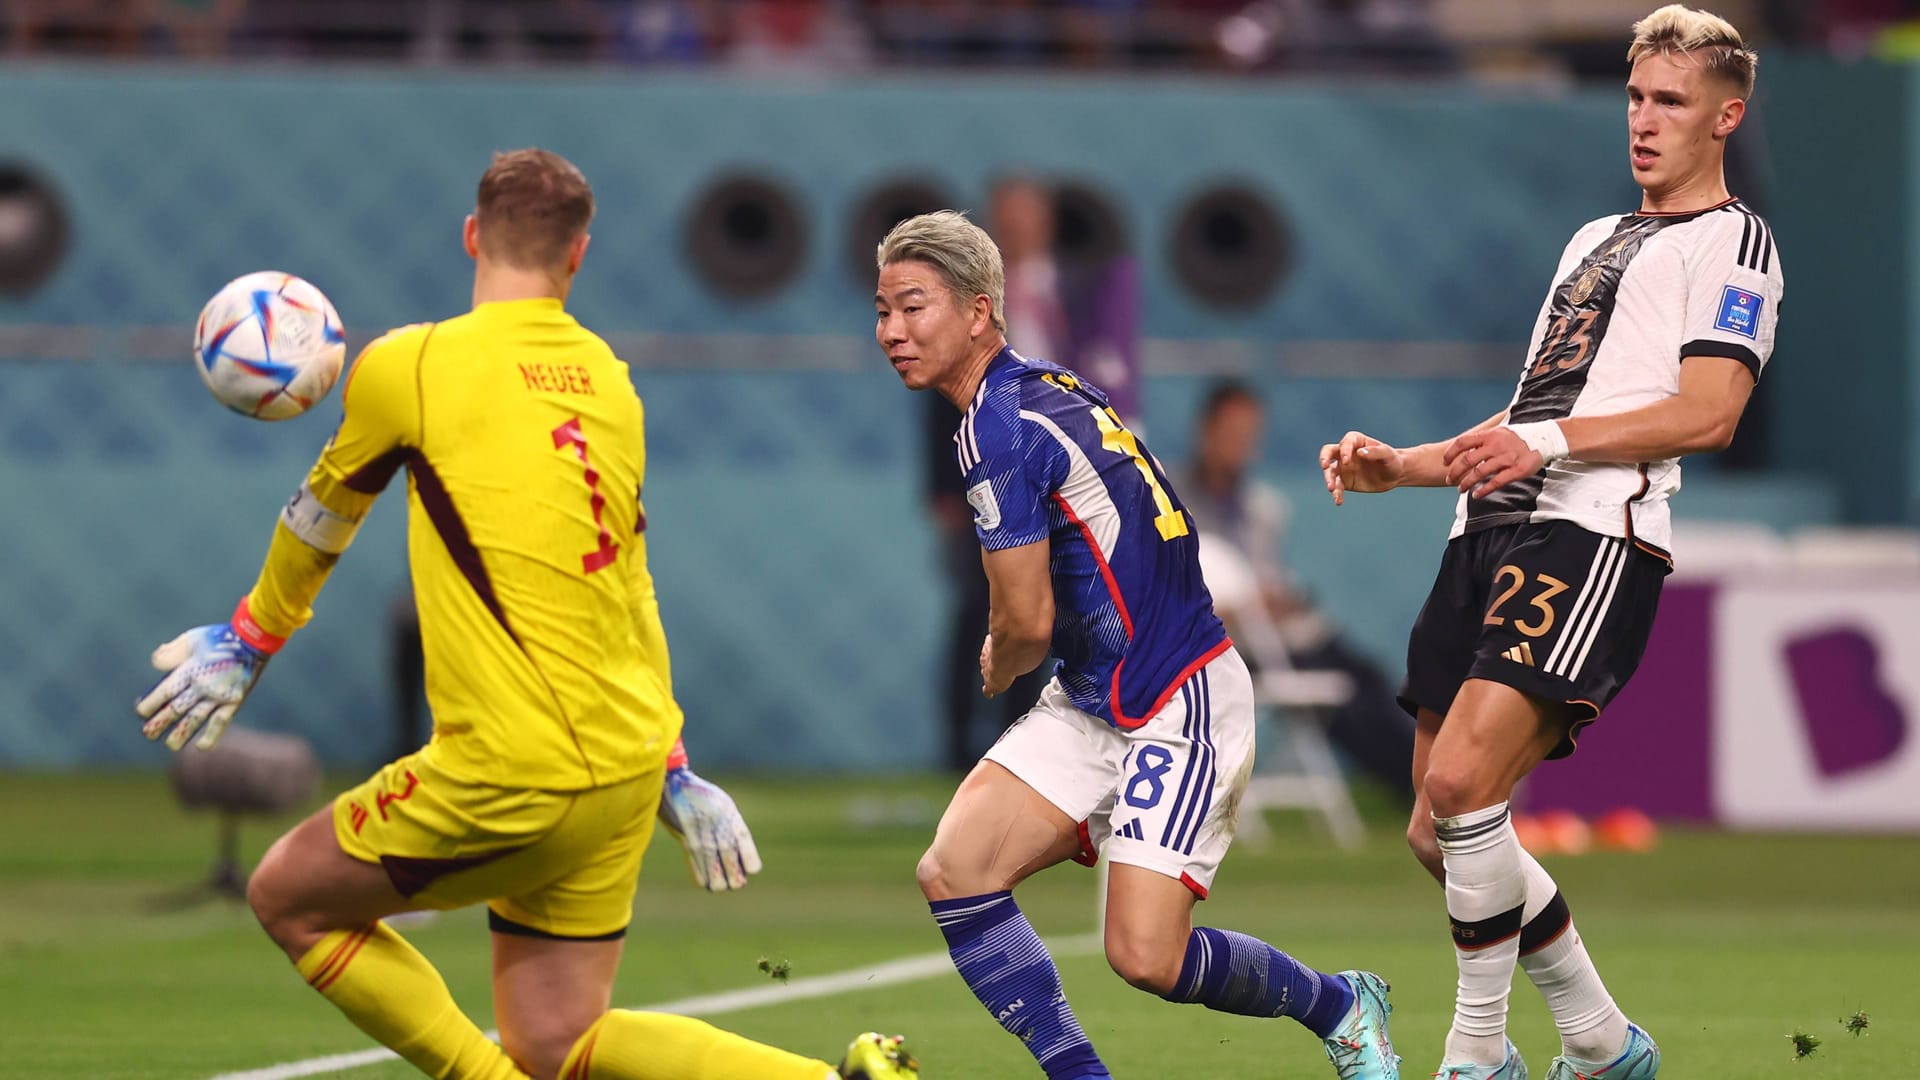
point(1300, 772)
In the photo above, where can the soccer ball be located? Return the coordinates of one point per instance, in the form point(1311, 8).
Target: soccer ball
point(269, 345)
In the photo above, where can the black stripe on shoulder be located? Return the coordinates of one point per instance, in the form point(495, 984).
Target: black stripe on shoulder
point(1746, 231)
point(1760, 256)
point(1729, 350)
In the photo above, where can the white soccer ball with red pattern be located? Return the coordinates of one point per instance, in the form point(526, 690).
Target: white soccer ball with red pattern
point(269, 345)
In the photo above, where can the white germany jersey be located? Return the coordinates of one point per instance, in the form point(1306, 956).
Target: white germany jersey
point(1634, 297)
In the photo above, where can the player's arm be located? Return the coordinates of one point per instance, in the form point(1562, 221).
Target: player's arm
point(1701, 416)
point(211, 669)
point(1020, 613)
point(1012, 467)
point(380, 420)
point(720, 851)
point(1361, 463)
point(644, 604)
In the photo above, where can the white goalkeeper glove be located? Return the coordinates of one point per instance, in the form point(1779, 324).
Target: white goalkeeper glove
point(703, 818)
point(209, 672)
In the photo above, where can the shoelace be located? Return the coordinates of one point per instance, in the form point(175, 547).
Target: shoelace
point(1349, 1055)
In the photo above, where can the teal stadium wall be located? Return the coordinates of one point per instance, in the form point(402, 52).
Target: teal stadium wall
point(795, 568)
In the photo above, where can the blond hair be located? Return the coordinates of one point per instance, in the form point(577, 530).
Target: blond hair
point(965, 256)
point(1678, 29)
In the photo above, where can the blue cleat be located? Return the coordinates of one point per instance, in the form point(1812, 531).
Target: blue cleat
point(1639, 1060)
point(1511, 1069)
point(1359, 1048)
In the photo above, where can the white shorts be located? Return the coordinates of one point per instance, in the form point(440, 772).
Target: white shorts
point(1164, 796)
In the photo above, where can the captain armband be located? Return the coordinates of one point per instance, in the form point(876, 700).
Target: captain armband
point(306, 517)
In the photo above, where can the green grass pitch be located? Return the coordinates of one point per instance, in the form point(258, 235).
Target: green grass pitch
point(1722, 946)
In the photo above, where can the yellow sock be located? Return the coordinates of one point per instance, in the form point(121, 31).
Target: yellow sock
point(625, 1045)
point(392, 993)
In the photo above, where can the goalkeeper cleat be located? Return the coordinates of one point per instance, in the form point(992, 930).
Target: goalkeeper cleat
point(1359, 1048)
point(1638, 1060)
point(879, 1057)
point(1513, 1068)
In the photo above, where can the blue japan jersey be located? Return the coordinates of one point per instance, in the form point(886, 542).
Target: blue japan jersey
point(1046, 458)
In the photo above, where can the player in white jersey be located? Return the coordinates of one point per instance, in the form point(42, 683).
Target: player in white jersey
point(1647, 348)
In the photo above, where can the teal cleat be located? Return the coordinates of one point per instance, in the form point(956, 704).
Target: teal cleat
point(1511, 1069)
point(1359, 1048)
point(1639, 1060)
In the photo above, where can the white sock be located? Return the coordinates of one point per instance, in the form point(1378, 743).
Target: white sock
point(1486, 898)
point(1592, 1027)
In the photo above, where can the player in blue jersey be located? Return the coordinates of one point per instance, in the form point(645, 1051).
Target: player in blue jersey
point(1143, 738)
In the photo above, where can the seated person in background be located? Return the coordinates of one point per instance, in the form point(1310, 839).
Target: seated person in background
point(1251, 517)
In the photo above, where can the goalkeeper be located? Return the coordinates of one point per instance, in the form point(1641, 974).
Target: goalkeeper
point(556, 735)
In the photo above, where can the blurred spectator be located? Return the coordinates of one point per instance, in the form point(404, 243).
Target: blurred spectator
point(662, 31)
point(789, 35)
point(1099, 32)
point(1103, 329)
point(195, 28)
point(1020, 216)
point(1335, 35)
point(1226, 502)
point(75, 26)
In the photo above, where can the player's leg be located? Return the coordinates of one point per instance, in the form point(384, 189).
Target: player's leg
point(1172, 822)
point(1000, 829)
point(1492, 736)
point(552, 997)
point(1420, 836)
point(1564, 632)
point(1551, 951)
point(557, 947)
point(1152, 943)
point(322, 906)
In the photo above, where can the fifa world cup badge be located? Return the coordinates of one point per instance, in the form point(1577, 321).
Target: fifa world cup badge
point(986, 508)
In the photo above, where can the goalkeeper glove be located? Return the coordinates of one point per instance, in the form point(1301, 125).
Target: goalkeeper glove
point(209, 672)
point(703, 818)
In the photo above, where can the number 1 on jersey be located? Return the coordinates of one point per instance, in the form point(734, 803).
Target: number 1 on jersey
point(569, 434)
point(1115, 437)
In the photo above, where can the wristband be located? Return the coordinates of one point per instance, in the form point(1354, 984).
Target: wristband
point(1543, 437)
point(249, 631)
point(677, 757)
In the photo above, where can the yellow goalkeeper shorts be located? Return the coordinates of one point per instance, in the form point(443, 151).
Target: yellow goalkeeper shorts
point(548, 863)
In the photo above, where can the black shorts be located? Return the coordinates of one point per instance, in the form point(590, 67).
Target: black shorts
point(1548, 608)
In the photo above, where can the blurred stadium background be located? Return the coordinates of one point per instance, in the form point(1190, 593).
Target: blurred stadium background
point(1351, 205)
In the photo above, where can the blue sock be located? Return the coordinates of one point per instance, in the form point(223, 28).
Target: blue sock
point(1008, 967)
point(1231, 972)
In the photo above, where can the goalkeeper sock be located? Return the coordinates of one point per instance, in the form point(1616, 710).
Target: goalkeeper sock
point(624, 1045)
point(1010, 971)
point(1231, 972)
point(392, 993)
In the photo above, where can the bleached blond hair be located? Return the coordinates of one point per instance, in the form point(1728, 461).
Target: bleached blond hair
point(965, 256)
point(1706, 38)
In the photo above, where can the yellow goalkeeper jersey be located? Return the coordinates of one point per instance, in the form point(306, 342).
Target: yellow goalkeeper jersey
point(521, 434)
